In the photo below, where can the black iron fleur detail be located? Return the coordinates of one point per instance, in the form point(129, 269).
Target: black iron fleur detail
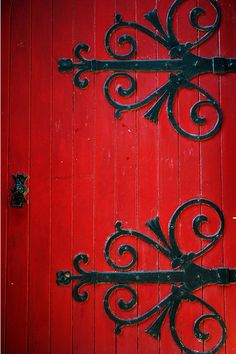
point(185, 272)
point(183, 66)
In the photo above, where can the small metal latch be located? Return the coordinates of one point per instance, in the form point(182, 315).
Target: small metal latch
point(19, 191)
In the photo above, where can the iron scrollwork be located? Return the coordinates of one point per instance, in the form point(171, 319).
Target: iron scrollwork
point(182, 65)
point(185, 272)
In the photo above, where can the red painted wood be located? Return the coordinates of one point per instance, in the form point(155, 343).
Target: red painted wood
point(104, 180)
point(211, 186)
point(189, 180)
point(168, 185)
point(84, 179)
point(148, 150)
point(40, 180)
point(227, 37)
point(61, 181)
point(6, 8)
point(88, 170)
point(126, 181)
point(18, 161)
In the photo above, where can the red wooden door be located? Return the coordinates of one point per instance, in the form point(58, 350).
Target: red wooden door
point(86, 170)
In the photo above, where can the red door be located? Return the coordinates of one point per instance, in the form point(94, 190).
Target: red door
point(168, 286)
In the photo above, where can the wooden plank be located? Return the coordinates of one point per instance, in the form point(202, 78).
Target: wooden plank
point(84, 177)
point(211, 176)
point(104, 183)
point(147, 188)
point(125, 177)
point(227, 87)
point(168, 183)
point(4, 144)
point(19, 154)
point(61, 183)
point(40, 179)
point(189, 179)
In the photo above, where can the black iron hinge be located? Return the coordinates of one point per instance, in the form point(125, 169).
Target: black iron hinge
point(183, 66)
point(185, 272)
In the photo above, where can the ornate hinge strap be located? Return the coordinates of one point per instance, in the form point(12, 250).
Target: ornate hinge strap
point(182, 64)
point(185, 272)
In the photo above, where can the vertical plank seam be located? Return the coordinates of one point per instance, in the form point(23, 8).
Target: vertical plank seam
point(72, 172)
point(158, 187)
point(200, 169)
point(157, 134)
point(115, 172)
point(136, 117)
point(29, 169)
point(9, 153)
point(94, 171)
point(8, 168)
point(51, 144)
point(221, 179)
point(50, 176)
point(178, 172)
